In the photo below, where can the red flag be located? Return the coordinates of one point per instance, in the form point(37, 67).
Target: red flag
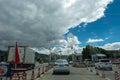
point(16, 59)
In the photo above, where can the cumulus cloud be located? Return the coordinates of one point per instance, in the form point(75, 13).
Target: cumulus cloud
point(112, 46)
point(94, 40)
point(39, 23)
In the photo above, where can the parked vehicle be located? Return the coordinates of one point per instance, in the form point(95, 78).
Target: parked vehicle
point(61, 66)
point(103, 64)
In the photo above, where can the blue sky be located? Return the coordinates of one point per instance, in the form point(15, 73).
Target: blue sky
point(106, 28)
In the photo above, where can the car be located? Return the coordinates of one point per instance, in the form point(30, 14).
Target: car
point(70, 62)
point(61, 66)
point(88, 62)
point(103, 64)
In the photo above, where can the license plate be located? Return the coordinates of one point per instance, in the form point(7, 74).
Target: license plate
point(61, 65)
point(106, 63)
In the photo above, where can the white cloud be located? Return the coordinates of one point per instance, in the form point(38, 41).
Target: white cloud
point(38, 23)
point(94, 40)
point(72, 40)
point(112, 46)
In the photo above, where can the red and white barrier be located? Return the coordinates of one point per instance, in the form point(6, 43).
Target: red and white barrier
point(117, 76)
point(32, 76)
point(15, 77)
point(24, 76)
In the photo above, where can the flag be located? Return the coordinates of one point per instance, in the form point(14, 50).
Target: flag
point(16, 59)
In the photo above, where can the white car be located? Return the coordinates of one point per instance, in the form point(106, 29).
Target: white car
point(103, 64)
point(61, 66)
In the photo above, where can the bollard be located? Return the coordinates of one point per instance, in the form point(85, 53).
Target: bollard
point(103, 74)
point(43, 70)
point(46, 69)
point(90, 69)
point(87, 67)
point(97, 73)
point(117, 76)
point(32, 76)
point(38, 73)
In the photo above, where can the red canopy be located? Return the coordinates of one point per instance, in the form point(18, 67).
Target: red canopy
point(16, 59)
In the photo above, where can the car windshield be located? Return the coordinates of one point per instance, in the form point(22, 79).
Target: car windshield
point(61, 61)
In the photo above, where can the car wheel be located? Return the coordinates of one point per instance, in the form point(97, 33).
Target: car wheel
point(68, 72)
point(111, 69)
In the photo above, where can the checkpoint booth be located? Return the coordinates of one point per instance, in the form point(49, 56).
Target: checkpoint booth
point(77, 58)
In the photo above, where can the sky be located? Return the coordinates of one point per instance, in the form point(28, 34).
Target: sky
point(103, 32)
point(46, 23)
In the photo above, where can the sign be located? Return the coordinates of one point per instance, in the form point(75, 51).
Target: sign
point(5, 69)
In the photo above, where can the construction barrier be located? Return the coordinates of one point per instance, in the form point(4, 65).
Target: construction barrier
point(29, 74)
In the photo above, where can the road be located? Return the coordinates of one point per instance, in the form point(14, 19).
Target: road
point(75, 74)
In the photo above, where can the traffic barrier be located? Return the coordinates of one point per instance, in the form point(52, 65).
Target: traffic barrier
point(38, 73)
point(24, 76)
point(117, 76)
point(103, 74)
point(15, 76)
point(32, 76)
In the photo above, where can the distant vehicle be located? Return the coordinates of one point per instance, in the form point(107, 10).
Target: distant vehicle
point(61, 66)
point(70, 62)
point(88, 62)
point(26, 54)
point(103, 64)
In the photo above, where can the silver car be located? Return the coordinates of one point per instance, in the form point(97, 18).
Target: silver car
point(61, 66)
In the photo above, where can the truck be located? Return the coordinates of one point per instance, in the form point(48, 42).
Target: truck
point(96, 57)
point(26, 55)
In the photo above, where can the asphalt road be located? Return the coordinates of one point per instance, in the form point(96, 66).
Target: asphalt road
point(75, 74)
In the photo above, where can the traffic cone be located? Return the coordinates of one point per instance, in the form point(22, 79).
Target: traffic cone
point(103, 74)
point(32, 76)
point(38, 72)
point(97, 73)
point(46, 69)
point(87, 67)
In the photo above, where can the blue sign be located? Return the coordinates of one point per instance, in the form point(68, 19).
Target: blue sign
point(5, 69)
